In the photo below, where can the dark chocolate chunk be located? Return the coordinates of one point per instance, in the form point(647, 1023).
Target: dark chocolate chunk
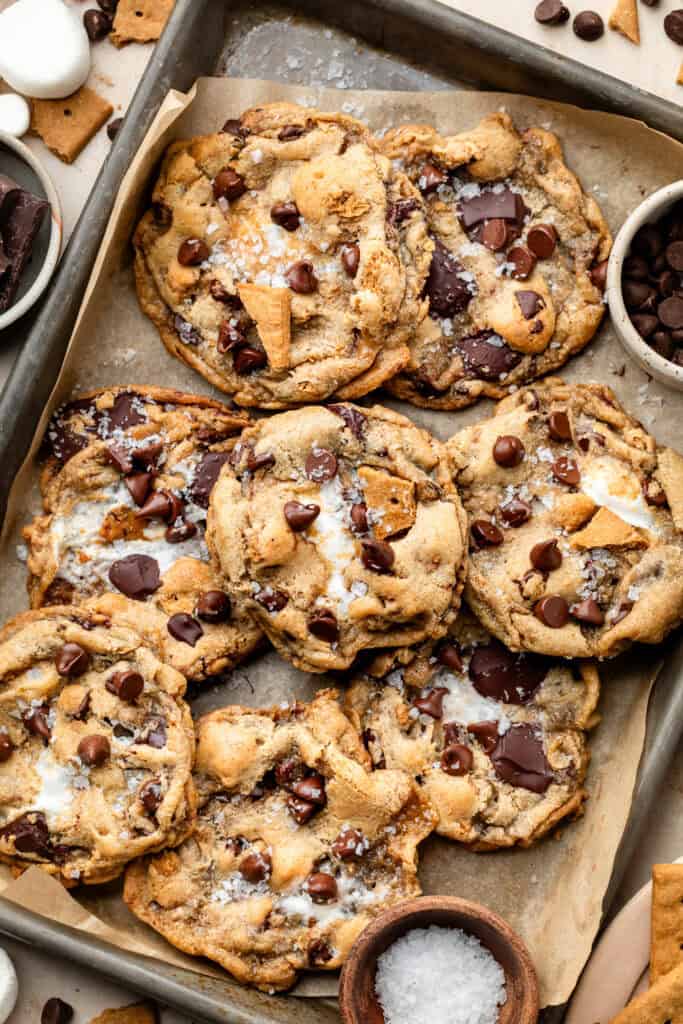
point(272, 600)
point(551, 12)
point(94, 750)
point(486, 534)
point(486, 358)
point(185, 628)
point(285, 215)
point(546, 556)
point(30, 834)
point(432, 702)
point(500, 674)
point(503, 203)
point(523, 262)
point(192, 252)
point(186, 332)
point(248, 360)
point(588, 25)
point(447, 291)
point(56, 1011)
point(156, 733)
point(256, 867)
point(449, 656)
point(566, 471)
point(213, 606)
point(127, 685)
point(430, 178)
point(542, 239)
point(559, 427)
point(72, 660)
point(321, 465)
point(456, 759)
point(588, 611)
point(486, 733)
point(228, 184)
point(6, 746)
point(377, 555)
point(36, 721)
point(508, 451)
point(350, 844)
point(150, 796)
point(205, 477)
point(136, 576)
point(519, 758)
point(673, 26)
point(552, 611)
point(515, 512)
point(353, 418)
point(97, 24)
point(321, 887)
point(113, 128)
point(311, 788)
point(324, 625)
point(21, 216)
point(530, 303)
point(350, 257)
point(301, 277)
point(299, 517)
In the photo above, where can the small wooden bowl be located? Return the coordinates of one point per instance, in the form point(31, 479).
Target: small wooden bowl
point(357, 1000)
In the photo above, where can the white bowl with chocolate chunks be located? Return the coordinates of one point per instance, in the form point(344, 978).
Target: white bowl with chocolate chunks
point(645, 285)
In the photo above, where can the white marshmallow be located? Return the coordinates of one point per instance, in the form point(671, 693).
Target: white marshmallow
point(9, 987)
point(44, 49)
point(15, 114)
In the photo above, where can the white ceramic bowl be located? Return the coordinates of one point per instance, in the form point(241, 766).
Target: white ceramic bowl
point(649, 211)
point(42, 272)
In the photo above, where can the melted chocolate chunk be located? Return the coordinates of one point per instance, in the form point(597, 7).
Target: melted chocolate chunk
point(185, 629)
point(324, 625)
point(447, 291)
point(432, 702)
point(156, 733)
point(353, 418)
point(321, 465)
point(503, 204)
point(271, 600)
point(484, 359)
point(205, 477)
point(30, 834)
point(502, 675)
point(72, 660)
point(530, 303)
point(519, 758)
point(136, 576)
point(486, 733)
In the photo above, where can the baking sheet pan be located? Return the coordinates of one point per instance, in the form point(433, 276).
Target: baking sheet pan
point(254, 43)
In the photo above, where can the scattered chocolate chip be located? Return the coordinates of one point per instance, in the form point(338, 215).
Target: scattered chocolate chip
point(523, 262)
point(301, 277)
point(508, 451)
point(494, 234)
point(530, 303)
point(588, 611)
point(350, 844)
point(321, 465)
point(559, 427)
point(515, 512)
point(486, 534)
point(353, 418)
point(546, 556)
point(97, 25)
point(519, 759)
point(321, 887)
point(126, 684)
point(36, 722)
point(673, 26)
point(248, 360)
point(551, 12)
point(6, 746)
point(500, 674)
point(486, 733)
point(377, 555)
point(430, 178)
point(30, 834)
point(286, 215)
point(645, 323)
point(205, 476)
point(670, 312)
point(456, 759)
point(113, 128)
point(192, 252)
point(301, 810)
point(56, 1011)
point(598, 275)
point(542, 239)
point(359, 517)
point(150, 796)
point(485, 355)
point(213, 606)
point(228, 184)
point(312, 789)
point(72, 660)
point(448, 293)
point(256, 867)
point(588, 25)
point(161, 505)
point(94, 750)
point(324, 625)
point(139, 486)
point(350, 257)
point(566, 471)
point(271, 600)
point(449, 655)
point(552, 611)
point(432, 702)
point(136, 576)
point(185, 628)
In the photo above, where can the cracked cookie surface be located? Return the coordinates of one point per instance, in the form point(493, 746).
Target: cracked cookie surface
point(126, 490)
point(516, 278)
point(298, 845)
point(96, 746)
point(284, 258)
point(496, 740)
point(576, 520)
point(342, 531)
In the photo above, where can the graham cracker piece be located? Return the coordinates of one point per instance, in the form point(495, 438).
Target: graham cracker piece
point(67, 126)
point(607, 530)
point(667, 920)
point(390, 501)
point(679, 76)
point(661, 1004)
point(670, 475)
point(624, 19)
point(136, 1013)
point(270, 309)
point(571, 511)
point(140, 21)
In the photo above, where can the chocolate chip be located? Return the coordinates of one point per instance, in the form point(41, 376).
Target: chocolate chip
point(503, 203)
point(162, 214)
point(289, 770)
point(109, 6)
point(530, 303)
point(523, 262)
point(494, 234)
point(150, 796)
point(256, 867)
point(136, 576)
point(377, 555)
point(30, 834)
point(598, 275)
point(486, 534)
point(72, 660)
point(192, 252)
point(546, 556)
point(667, 283)
point(319, 953)
point(312, 789)
point(515, 512)
point(321, 887)
point(205, 476)
point(56, 1011)
point(248, 360)
point(94, 750)
point(6, 746)
point(272, 600)
point(301, 810)
point(486, 733)
point(161, 505)
point(97, 25)
point(180, 530)
point(645, 323)
point(139, 486)
point(542, 239)
point(448, 293)
point(321, 465)
point(551, 12)
point(353, 418)
point(350, 257)
point(286, 215)
point(501, 675)
point(185, 629)
point(36, 722)
point(648, 242)
point(654, 493)
point(552, 611)
point(113, 128)
point(350, 844)
point(673, 26)
point(674, 255)
point(432, 702)
point(636, 294)
point(228, 184)
point(400, 210)
point(213, 606)
point(126, 684)
point(359, 517)
point(430, 178)
point(290, 131)
point(636, 268)
point(449, 655)
point(456, 759)
point(262, 460)
point(566, 471)
point(588, 25)
point(229, 337)
point(670, 312)
point(324, 625)
point(588, 611)
point(485, 358)
point(301, 277)
point(508, 451)
point(156, 734)
point(520, 760)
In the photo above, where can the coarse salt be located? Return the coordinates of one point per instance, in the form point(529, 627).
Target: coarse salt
point(439, 976)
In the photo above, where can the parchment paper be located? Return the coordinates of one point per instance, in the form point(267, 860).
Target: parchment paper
point(552, 894)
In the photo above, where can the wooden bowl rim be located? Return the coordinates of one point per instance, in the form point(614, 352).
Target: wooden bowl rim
point(527, 1005)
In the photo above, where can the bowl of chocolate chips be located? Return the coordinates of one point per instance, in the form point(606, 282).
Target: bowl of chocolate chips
point(645, 285)
point(30, 229)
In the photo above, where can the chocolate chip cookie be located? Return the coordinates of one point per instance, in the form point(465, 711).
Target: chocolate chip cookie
point(126, 517)
point(96, 746)
point(518, 269)
point(576, 520)
point(496, 739)
point(342, 531)
point(284, 258)
point(297, 846)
